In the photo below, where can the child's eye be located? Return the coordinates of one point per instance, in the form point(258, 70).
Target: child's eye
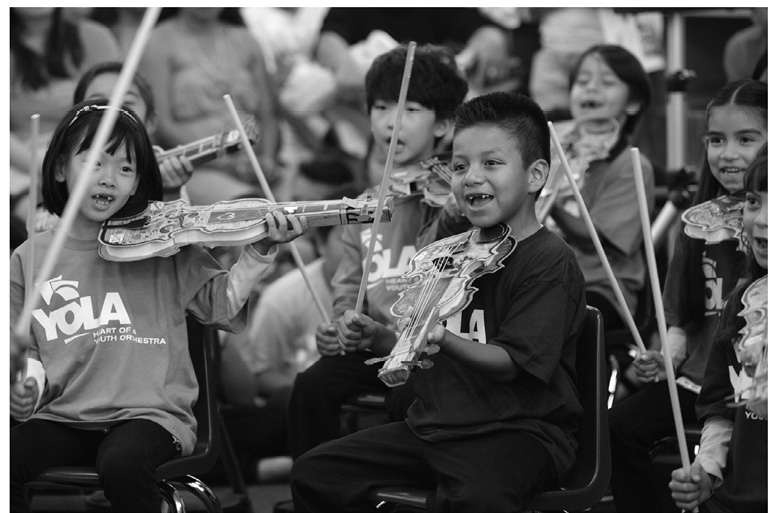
point(492, 162)
point(752, 202)
point(126, 169)
point(713, 139)
point(458, 167)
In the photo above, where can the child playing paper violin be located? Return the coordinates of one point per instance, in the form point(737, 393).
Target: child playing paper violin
point(436, 89)
point(609, 93)
point(110, 382)
point(702, 273)
point(494, 419)
point(729, 472)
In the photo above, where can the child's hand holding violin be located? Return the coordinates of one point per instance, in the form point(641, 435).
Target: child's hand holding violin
point(281, 229)
point(175, 171)
point(23, 399)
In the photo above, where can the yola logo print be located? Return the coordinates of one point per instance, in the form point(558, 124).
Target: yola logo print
point(77, 316)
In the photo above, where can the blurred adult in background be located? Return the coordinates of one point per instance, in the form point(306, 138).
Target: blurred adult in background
point(48, 52)
point(745, 52)
point(193, 58)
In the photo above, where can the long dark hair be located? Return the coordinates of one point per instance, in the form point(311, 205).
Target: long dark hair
point(63, 43)
point(755, 180)
point(75, 134)
point(686, 267)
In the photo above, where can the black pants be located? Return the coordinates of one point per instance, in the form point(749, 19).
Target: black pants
point(491, 472)
point(320, 391)
point(636, 424)
point(126, 457)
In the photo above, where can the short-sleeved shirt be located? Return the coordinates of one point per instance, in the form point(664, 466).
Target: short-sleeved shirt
point(534, 309)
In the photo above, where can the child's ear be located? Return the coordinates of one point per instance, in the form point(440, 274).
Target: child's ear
point(633, 107)
point(59, 174)
point(442, 127)
point(538, 172)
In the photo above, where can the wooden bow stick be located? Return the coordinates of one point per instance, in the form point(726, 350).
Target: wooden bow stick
point(596, 240)
point(29, 279)
point(658, 303)
point(100, 139)
point(387, 171)
point(29, 284)
point(271, 197)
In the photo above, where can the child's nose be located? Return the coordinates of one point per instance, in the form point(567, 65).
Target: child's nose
point(107, 176)
point(472, 176)
point(731, 151)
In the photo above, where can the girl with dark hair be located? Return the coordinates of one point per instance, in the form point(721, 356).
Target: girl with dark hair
point(609, 92)
point(729, 472)
point(701, 275)
point(109, 378)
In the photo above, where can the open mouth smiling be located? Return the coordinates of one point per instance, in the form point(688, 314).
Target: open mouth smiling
point(103, 199)
point(478, 200)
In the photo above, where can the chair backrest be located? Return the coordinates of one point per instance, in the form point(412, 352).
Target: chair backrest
point(202, 345)
point(589, 478)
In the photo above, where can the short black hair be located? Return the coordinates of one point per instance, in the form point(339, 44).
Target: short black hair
point(516, 114)
point(102, 68)
point(75, 133)
point(436, 81)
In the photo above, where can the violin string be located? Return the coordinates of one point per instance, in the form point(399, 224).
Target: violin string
point(422, 304)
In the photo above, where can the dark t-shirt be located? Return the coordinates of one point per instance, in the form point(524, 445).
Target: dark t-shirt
point(534, 308)
point(746, 466)
point(444, 25)
point(722, 264)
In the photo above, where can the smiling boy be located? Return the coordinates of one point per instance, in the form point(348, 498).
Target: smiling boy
point(494, 419)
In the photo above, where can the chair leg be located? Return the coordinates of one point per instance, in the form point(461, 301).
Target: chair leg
point(171, 497)
point(201, 491)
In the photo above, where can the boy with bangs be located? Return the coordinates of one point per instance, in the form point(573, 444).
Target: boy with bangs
point(494, 419)
point(436, 88)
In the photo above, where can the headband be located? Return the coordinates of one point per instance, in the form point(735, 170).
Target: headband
point(94, 108)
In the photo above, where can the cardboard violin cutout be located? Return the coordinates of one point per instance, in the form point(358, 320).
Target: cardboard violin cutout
point(214, 146)
point(164, 227)
point(716, 220)
point(432, 179)
point(751, 350)
point(581, 147)
point(440, 285)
